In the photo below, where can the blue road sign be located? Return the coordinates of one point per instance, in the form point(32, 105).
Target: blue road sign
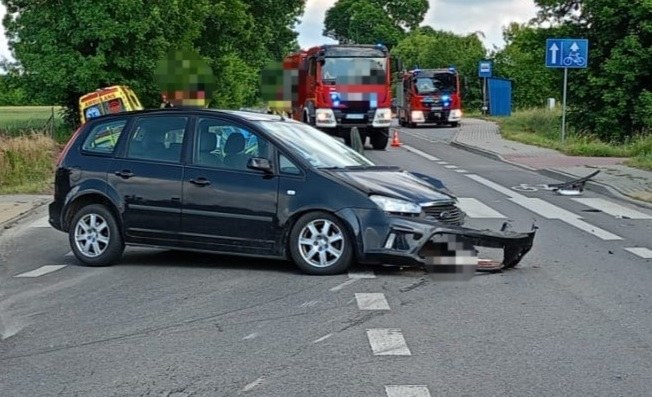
point(567, 53)
point(484, 69)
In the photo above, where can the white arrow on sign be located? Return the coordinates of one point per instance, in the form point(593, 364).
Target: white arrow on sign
point(574, 47)
point(554, 49)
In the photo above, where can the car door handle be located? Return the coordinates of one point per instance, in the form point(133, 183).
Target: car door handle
point(200, 182)
point(126, 174)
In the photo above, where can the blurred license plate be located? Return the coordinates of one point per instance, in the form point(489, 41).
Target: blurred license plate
point(436, 109)
point(437, 114)
point(355, 116)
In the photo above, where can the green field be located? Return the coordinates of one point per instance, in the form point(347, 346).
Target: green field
point(17, 120)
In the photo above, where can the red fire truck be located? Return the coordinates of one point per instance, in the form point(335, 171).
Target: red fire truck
point(429, 96)
point(337, 87)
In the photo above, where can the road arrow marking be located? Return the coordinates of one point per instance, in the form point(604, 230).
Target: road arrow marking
point(554, 49)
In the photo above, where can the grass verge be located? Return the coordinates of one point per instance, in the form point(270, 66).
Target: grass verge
point(541, 127)
point(27, 163)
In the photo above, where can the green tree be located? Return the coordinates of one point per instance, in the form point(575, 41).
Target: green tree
point(522, 62)
point(94, 44)
point(373, 21)
point(612, 96)
point(239, 37)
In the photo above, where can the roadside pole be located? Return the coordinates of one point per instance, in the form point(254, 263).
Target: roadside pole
point(485, 70)
point(563, 107)
point(566, 54)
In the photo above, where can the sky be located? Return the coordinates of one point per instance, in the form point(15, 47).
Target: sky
point(458, 16)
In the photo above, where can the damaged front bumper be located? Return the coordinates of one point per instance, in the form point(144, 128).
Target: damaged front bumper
point(431, 245)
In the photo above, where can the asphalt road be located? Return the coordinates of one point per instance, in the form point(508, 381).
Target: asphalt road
point(573, 319)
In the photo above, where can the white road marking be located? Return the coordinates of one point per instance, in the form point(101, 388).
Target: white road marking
point(387, 342)
point(442, 162)
point(450, 166)
point(461, 171)
point(589, 228)
point(612, 208)
point(253, 384)
point(250, 336)
point(420, 153)
point(372, 301)
point(547, 210)
point(41, 271)
point(42, 222)
point(344, 284)
point(309, 303)
point(477, 209)
point(407, 391)
point(363, 274)
point(323, 338)
point(644, 253)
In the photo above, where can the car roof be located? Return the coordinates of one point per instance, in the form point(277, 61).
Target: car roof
point(249, 115)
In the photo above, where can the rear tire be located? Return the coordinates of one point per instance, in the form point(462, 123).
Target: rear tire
point(94, 236)
point(455, 124)
point(320, 244)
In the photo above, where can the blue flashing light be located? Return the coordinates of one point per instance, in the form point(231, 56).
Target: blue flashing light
point(335, 97)
point(445, 98)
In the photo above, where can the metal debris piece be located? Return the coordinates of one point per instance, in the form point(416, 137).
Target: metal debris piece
point(572, 188)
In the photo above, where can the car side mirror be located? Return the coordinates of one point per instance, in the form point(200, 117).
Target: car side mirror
point(259, 163)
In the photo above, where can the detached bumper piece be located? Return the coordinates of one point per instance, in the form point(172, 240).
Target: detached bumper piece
point(453, 249)
point(449, 252)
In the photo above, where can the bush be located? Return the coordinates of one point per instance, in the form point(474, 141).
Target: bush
point(542, 127)
point(26, 163)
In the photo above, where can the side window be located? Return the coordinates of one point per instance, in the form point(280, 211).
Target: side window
point(224, 145)
point(92, 112)
point(287, 167)
point(157, 138)
point(103, 138)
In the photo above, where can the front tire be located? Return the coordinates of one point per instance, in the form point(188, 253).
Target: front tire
point(94, 236)
point(379, 139)
point(320, 244)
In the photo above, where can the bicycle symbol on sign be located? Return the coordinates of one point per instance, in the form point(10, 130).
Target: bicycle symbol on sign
point(574, 58)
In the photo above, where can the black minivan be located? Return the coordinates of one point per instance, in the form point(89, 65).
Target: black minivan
point(251, 184)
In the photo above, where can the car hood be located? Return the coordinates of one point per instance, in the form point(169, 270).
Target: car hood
point(394, 183)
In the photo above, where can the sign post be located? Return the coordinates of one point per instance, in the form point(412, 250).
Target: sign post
point(566, 54)
point(485, 71)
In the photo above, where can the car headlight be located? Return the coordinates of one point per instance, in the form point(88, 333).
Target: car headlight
point(389, 204)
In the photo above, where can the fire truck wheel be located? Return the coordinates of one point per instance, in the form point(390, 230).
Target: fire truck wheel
point(379, 139)
point(455, 124)
point(412, 125)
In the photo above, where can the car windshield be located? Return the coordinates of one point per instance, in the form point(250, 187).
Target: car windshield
point(321, 150)
point(354, 70)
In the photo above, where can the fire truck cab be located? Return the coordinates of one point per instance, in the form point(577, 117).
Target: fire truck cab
point(429, 96)
point(337, 87)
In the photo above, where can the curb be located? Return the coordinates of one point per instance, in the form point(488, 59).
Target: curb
point(11, 222)
point(555, 174)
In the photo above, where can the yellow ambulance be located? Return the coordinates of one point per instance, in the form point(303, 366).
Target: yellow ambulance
point(108, 100)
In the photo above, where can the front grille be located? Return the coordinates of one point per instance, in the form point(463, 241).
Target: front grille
point(449, 214)
point(432, 104)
